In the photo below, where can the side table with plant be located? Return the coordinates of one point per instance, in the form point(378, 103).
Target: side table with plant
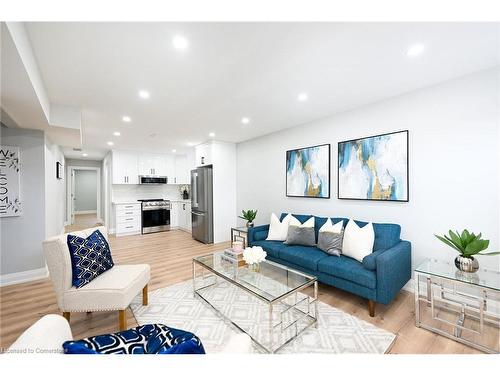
point(467, 244)
point(249, 216)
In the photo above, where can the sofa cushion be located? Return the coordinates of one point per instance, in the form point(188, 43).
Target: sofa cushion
point(271, 247)
point(307, 257)
point(348, 269)
point(260, 235)
point(301, 218)
point(302, 234)
point(386, 235)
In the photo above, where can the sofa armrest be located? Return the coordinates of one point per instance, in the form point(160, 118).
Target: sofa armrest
point(393, 271)
point(45, 336)
point(256, 233)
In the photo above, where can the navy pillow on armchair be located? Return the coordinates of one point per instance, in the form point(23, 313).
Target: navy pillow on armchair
point(90, 257)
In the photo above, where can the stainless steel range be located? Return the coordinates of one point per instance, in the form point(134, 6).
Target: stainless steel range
point(155, 215)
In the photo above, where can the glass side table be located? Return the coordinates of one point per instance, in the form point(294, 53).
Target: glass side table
point(462, 306)
point(239, 234)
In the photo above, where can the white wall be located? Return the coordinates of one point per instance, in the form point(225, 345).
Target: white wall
point(85, 191)
point(55, 191)
point(22, 236)
point(453, 170)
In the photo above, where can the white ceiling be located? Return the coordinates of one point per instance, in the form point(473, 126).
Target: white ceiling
point(235, 70)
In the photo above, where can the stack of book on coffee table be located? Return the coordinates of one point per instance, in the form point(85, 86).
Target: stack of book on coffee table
point(233, 257)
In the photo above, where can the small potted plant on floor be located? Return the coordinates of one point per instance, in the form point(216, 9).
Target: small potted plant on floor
point(249, 216)
point(467, 244)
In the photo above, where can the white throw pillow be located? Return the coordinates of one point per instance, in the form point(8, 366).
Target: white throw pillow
point(278, 230)
point(309, 223)
point(331, 228)
point(358, 242)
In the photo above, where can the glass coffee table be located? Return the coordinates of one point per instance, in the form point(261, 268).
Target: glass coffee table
point(280, 302)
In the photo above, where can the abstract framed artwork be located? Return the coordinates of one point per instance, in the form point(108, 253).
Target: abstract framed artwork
point(308, 172)
point(374, 168)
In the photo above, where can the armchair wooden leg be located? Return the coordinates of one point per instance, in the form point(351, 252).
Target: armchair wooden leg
point(122, 317)
point(145, 295)
point(371, 308)
point(67, 315)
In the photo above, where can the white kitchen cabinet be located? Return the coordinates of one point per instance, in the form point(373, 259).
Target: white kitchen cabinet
point(174, 214)
point(154, 164)
point(185, 216)
point(203, 154)
point(182, 171)
point(169, 163)
point(124, 167)
point(127, 219)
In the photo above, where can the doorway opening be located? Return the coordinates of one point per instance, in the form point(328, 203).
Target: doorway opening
point(83, 198)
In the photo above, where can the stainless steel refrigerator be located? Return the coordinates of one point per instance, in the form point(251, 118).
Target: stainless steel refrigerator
point(202, 204)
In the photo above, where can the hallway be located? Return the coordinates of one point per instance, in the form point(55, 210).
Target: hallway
point(83, 221)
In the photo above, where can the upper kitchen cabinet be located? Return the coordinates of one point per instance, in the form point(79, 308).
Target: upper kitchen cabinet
point(155, 165)
point(182, 170)
point(124, 167)
point(204, 154)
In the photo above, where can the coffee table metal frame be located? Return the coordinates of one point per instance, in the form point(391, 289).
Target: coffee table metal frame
point(305, 299)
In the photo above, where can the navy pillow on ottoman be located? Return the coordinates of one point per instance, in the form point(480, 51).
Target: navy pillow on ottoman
point(90, 257)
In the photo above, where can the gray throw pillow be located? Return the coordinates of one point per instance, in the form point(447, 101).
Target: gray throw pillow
point(300, 236)
point(331, 243)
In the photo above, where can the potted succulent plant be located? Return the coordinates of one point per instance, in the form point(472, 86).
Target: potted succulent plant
point(249, 216)
point(467, 244)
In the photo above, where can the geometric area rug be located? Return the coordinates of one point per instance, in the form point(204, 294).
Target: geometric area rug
point(337, 331)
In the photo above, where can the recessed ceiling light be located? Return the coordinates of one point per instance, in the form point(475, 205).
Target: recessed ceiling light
point(85, 155)
point(144, 94)
point(126, 119)
point(415, 50)
point(190, 144)
point(110, 143)
point(302, 97)
point(245, 120)
point(174, 150)
point(117, 134)
point(211, 135)
point(180, 42)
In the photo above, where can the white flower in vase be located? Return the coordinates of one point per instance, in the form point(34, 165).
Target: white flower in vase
point(254, 255)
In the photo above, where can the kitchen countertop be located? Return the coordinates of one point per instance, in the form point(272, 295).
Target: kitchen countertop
point(134, 201)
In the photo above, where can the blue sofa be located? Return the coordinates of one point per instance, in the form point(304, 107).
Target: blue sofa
point(378, 278)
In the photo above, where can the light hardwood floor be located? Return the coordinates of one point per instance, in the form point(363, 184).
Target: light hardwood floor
point(170, 254)
point(83, 221)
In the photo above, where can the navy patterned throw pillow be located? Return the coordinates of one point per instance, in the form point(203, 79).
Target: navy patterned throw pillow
point(90, 257)
point(146, 339)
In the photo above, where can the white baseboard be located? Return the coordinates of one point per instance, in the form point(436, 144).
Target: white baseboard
point(85, 212)
point(24, 276)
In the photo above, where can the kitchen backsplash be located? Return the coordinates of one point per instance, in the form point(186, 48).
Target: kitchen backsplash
point(134, 192)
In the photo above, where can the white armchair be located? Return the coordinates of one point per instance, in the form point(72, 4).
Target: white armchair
point(113, 290)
